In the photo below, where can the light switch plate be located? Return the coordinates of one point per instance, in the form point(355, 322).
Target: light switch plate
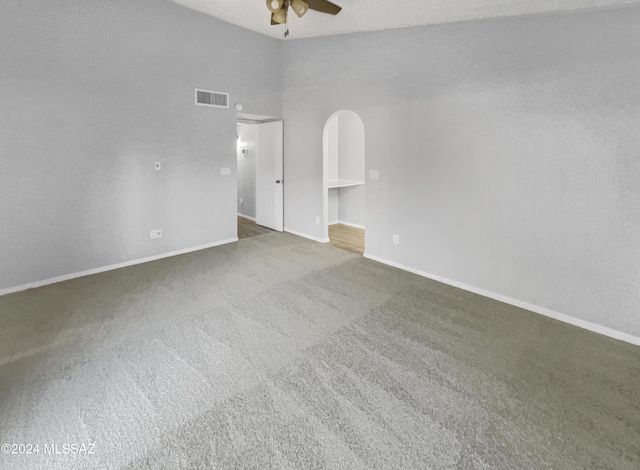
point(158, 166)
point(225, 171)
point(373, 174)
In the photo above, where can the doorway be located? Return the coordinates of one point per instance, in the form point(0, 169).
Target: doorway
point(343, 181)
point(260, 175)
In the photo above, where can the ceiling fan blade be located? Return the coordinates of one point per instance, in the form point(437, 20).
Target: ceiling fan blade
point(323, 6)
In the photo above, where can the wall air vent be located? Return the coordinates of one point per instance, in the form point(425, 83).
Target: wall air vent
point(214, 99)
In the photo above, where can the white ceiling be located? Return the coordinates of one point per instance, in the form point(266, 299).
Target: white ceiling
point(373, 15)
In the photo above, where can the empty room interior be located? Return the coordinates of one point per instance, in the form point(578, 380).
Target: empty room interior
point(319, 234)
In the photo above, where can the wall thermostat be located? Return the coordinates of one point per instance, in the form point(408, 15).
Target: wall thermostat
point(239, 106)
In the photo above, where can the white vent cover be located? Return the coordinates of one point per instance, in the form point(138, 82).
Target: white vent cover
point(214, 99)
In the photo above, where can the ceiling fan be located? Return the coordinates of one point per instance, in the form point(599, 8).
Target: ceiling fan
point(279, 9)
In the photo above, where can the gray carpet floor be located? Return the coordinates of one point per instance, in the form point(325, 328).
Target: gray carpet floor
point(277, 352)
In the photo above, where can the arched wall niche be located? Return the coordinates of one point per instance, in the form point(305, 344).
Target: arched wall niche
point(343, 170)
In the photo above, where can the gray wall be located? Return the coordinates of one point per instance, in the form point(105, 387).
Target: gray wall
point(92, 93)
point(507, 152)
point(352, 205)
point(248, 134)
point(334, 205)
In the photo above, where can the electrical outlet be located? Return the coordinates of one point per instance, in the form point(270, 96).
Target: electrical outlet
point(373, 174)
point(225, 171)
point(158, 166)
point(318, 220)
point(153, 234)
point(396, 239)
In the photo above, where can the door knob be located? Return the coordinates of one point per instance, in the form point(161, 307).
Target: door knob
point(279, 181)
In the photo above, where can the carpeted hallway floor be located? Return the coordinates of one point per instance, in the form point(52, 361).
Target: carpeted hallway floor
point(278, 352)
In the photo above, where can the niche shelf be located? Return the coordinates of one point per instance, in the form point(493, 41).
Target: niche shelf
point(341, 183)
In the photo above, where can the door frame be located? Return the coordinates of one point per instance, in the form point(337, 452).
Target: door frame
point(255, 119)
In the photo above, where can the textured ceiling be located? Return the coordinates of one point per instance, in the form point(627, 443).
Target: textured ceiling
point(373, 15)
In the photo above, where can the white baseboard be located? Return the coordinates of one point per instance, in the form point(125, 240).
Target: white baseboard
point(246, 216)
point(594, 327)
point(304, 235)
point(67, 277)
point(348, 224)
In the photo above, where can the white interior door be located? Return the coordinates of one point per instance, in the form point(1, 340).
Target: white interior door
point(269, 176)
